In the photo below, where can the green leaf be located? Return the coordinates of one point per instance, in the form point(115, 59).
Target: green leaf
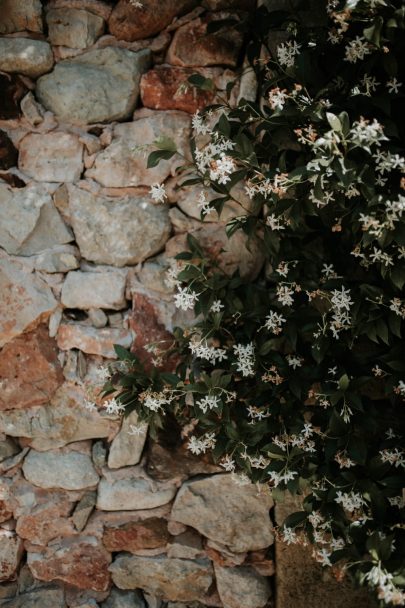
point(155, 157)
point(201, 82)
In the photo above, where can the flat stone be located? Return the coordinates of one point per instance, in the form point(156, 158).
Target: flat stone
point(43, 597)
point(126, 449)
point(128, 22)
point(30, 371)
point(192, 45)
point(25, 56)
point(171, 579)
point(20, 15)
point(146, 534)
point(115, 494)
point(175, 462)
point(8, 153)
point(55, 469)
point(97, 86)
point(25, 300)
point(124, 599)
point(51, 157)
point(73, 27)
point(63, 421)
point(91, 340)
point(12, 90)
point(121, 164)
point(61, 258)
point(81, 561)
point(242, 587)
point(83, 510)
point(143, 228)
point(11, 550)
point(236, 516)
point(29, 221)
point(187, 545)
point(86, 290)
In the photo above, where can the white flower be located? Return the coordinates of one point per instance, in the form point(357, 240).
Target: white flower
point(294, 361)
point(370, 84)
point(357, 49)
point(274, 322)
point(222, 168)
point(203, 204)
point(208, 403)
point(201, 445)
point(210, 353)
point(246, 358)
point(395, 457)
point(199, 126)
point(400, 389)
point(137, 429)
point(322, 556)
point(286, 53)
point(89, 405)
point(185, 299)
point(275, 223)
point(284, 295)
point(393, 85)
point(289, 536)
point(277, 98)
point(136, 3)
point(228, 464)
point(103, 373)
point(351, 501)
point(113, 406)
point(154, 401)
point(158, 193)
point(216, 306)
point(365, 133)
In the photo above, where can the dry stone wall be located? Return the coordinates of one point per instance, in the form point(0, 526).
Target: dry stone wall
point(91, 515)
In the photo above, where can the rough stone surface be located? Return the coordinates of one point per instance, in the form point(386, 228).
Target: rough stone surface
point(236, 516)
point(132, 493)
point(124, 599)
point(81, 562)
point(100, 85)
point(146, 534)
point(143, 228)
point(51, 157)
point(128, 22)
point(242, 587)
point(172, 579)
point(11, 550)
point(19, 15)
point(73, 27)
point(42, 597)
point(86, 290)
point(26, 297)
point(65, 420)
point(8, 448)
point(32, 110)
point(175, 462)
point(91, 340)
point(55, 469)
point(49, 519)
point(25, 56)
point(8, 153)
point(61, 258)
point(121, 164)
point(83, 510)
point(126, 448)
point(30, 371)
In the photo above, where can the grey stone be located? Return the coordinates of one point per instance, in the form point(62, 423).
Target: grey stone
point(242, 587)
point(91, 340)
point(97, 317)
point(86, 290)
point(58, 259)
point(32, 110)
point(124, 599)
point(20, 15)
point(117, 231)
point(25, 56)
point(100, 85)
point(11, 550)
point(236, 516)
point(172, 579)
point(123, 162)
point(55, 469)
point(38, 598)
point(29, 221)
point(73, 27)
point(33, 304)
point(51, 157)
point(13, 461)
point(126, 449)
point(99, 455)
point(115, 494)
point(83, 510)
point(8, 448)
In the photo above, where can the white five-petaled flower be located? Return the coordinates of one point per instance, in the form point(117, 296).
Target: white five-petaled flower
point(185, 299)
point(158, 193)
point(216, 306)
point(286, 53)
point(137, 429)
point(207, 403)
point(357, 49)
point(393, 85)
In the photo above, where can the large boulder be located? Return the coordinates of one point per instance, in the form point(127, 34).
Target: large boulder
point(51, 157)
point(25, 56)
point(74, 28)
point(68, 470)
point(97, 86)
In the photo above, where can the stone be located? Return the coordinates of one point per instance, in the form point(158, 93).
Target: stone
point(12, 90)
point(135, 535)
point(8, 448)
point(11, 550)
point(32, 110)
point(91, 340)
point(79, 561)
point(171, 579)
point(187, 198)
point(61, 258)
point(14, 461)
point(8, 153)
point(97, 86)
point(86, 290)
point(126, 448)
point(83, 510)
point(242, 587)
point(121, 164)
point(29, 221)
point(20, 15)
point(115, 494)
point(56, 469)
point(64, 420)
point(51, 157)
point(73, 27)
point(25, 300)
point(42, 597)
point(129, 22)
point(192, 45)
point(47, 520)
point(124, 599)
point(187, 545)
point(175, 462)
point(30, 371)
point(166, 88)
point(97, 7)
point(236, 516)
point(25, 56)
point(141, 227)
point(97, 317)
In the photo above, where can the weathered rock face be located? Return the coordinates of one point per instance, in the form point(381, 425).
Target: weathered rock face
point(124, 599)
point(96, 86)
point(146, 534)
point(51, 157)
point(30, 371)
point(129, 22)
point(233, 515)
point(126, 448)
point(28, 297)
point(172, 579)
point(19, 15)
point(123, 163)
point(8, 153)
point(25, 56)
point(242, 587)
point(73, 27)
point(143, 228)
point(91, 340)
point(115, 494)
point(11, 550)
point(61, 258)
point(44, 597)
point(56, 469)
point(175, 463)
point(94, 290)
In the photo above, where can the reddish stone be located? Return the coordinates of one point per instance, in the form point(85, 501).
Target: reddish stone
point(47, 521)
point(176, 462)
point(29, 370)
point(8, 153)
point(166, 88)
point(11, 550)
point(12, 91)
point(147, 534)
point(128, 22)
